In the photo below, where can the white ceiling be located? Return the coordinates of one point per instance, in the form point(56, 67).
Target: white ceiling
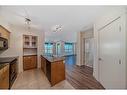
point(72, 18)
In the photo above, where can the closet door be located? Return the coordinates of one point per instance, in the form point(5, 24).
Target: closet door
point(110, 64)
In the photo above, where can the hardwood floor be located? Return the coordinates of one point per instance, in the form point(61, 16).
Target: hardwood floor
point(80, 77)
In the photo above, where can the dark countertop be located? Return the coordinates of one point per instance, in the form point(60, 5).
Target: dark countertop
point(7, 59)
point(53, 59)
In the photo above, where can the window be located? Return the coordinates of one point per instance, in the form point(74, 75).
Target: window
point(58, 49)
point(68, 47)
point(48, 48)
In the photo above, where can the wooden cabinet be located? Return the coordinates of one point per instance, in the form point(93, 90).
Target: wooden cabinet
point(4, 33)
point(29, 41)
point(58, 72)
point(43, 64)
point(29, 62)
point(29, 52)
point(4, 77)
point(54, 70)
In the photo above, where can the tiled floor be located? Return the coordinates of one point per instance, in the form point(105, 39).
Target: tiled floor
point(35, 79)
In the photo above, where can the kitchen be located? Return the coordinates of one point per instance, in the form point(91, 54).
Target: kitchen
point(53, 67)
point(35, 47)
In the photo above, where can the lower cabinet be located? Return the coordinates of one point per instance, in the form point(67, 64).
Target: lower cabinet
point(29, 62)
point(57, 72)
point(54, 70)
point(4, 77)
point(43, 64)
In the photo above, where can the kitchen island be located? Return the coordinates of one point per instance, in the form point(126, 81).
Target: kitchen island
point(53, 68)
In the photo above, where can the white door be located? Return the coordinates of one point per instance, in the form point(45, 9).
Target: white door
point(111, 74)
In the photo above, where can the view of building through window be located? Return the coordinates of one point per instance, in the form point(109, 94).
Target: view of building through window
point(48, 48)
point(58, 49)
point(68, 47)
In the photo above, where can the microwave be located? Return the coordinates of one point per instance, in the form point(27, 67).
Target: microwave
point(3, 43)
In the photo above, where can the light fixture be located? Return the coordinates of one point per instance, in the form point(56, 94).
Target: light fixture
point(28, 22)
point(57, 28)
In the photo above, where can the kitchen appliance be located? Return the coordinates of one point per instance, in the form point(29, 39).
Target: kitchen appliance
point(3, 43)
point(13, 72)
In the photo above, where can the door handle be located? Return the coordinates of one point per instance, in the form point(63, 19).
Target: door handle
point(99, 59)
point(120, 62)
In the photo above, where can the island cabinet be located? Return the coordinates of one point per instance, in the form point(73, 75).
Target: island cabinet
point(53, 68)
point(43, 64)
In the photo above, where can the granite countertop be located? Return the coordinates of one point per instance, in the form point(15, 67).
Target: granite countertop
point(53, 58)
point(6, 60)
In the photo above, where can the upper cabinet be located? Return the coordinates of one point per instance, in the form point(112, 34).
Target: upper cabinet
point(29, 41)
point(4, 33)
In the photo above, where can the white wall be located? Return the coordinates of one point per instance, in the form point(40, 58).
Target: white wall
point(16, 42)
point(102, 21)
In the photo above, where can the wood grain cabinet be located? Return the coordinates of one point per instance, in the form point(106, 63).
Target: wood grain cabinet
point(4, 33)
point(29, 62)
point(29, 52)
point(43, 64)
point(58, 72)
point(4, 77)
point(54, 69)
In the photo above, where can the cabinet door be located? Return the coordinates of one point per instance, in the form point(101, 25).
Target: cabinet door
point(27, 62)
point(33, 61)
point(43, 64)
point(26, 41)
point(4, 77)
point(57, 72)
point(4, 33)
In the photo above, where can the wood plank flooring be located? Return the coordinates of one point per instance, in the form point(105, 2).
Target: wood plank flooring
point(80, 77)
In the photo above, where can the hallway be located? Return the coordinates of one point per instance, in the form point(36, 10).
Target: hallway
point(80, 77)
